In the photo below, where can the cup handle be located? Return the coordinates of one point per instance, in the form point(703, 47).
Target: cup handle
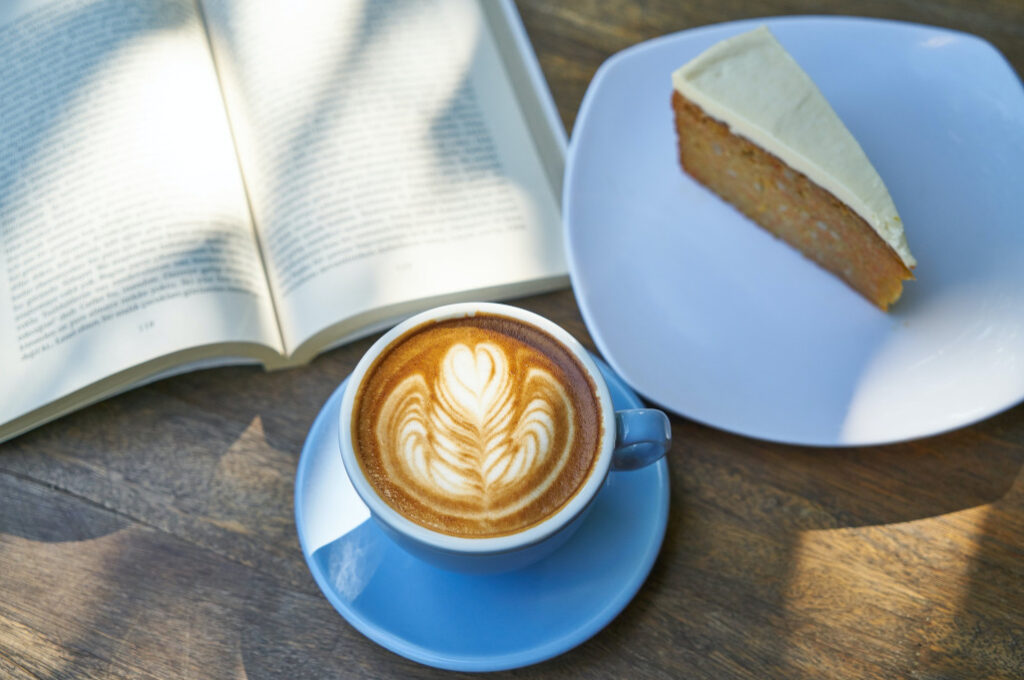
point(642, 436)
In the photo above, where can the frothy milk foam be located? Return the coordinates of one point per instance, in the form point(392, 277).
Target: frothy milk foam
point(478, 426)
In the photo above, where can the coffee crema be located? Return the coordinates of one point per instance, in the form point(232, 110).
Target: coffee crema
point(478, 426)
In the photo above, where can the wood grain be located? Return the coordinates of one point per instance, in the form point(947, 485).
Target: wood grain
point(152, 535)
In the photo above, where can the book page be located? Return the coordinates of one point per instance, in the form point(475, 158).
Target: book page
point(125, 233)
point(387, 161)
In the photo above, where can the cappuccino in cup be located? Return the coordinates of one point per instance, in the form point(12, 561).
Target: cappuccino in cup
point(477, 426)
point(478, 435)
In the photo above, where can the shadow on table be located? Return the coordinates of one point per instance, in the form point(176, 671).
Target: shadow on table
point(731, 595)
point(793, 559)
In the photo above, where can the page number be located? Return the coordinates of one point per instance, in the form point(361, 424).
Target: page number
point(147, 326)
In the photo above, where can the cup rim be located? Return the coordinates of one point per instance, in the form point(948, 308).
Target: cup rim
point(486, 545)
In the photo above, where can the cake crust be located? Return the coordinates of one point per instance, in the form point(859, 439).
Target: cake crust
point(788, 204)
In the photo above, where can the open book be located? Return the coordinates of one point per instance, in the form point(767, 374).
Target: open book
point(191, 182)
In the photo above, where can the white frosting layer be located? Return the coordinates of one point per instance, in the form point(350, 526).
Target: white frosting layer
point(750, 83)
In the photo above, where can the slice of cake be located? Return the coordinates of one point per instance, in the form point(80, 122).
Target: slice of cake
point(755, 129)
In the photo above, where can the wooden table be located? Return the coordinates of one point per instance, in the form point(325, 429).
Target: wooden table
point(152, 535)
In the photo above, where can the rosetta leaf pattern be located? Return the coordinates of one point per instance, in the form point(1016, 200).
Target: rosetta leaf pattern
point(478, 431)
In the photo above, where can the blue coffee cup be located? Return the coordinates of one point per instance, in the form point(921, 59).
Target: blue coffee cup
point(629, 439)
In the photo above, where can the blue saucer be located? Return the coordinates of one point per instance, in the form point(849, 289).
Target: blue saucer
point(476, 622)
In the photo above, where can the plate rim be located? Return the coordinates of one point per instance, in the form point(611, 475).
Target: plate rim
point(652, 43)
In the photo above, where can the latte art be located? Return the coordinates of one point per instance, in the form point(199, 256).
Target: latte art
point(476, 432)
point(481, 434)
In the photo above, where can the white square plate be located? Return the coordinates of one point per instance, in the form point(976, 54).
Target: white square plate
point(706, 314)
